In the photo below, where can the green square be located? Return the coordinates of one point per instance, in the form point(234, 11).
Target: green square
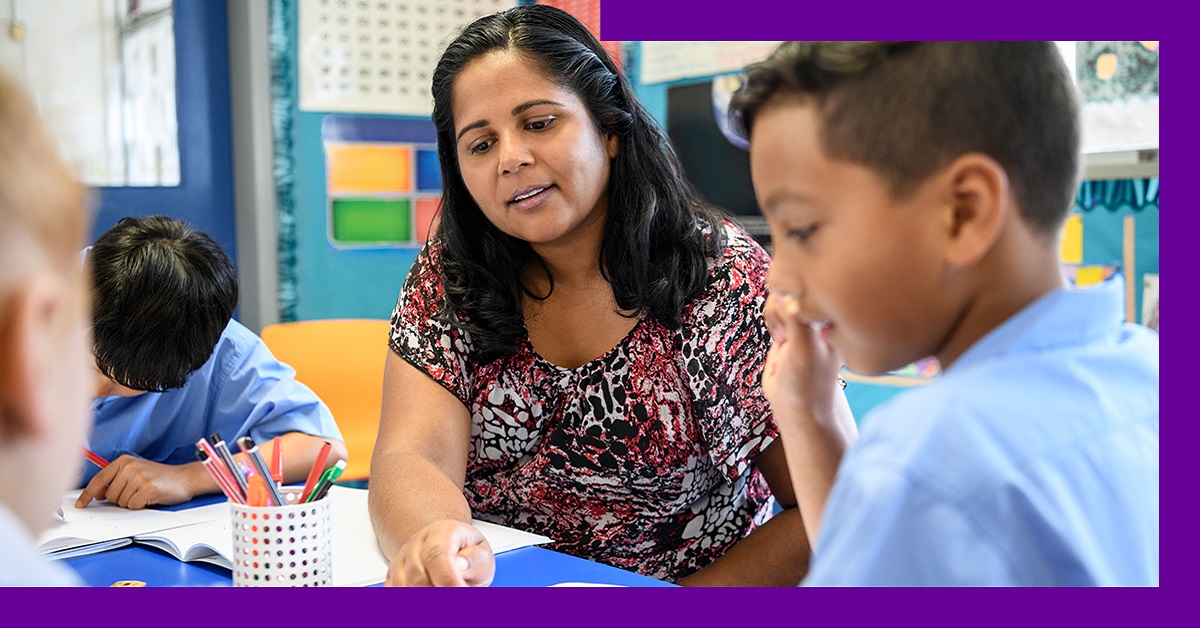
point(371, 220)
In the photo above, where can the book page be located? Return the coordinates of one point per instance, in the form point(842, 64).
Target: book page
point(208, 541)
point(102, 521)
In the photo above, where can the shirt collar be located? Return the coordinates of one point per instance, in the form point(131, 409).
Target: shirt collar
point(1064, 317)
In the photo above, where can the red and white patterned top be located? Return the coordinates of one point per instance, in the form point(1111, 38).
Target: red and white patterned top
point(642, 458)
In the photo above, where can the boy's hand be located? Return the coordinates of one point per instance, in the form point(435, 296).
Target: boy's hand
point(801, 368)
point(443, 554)
point(134, 483)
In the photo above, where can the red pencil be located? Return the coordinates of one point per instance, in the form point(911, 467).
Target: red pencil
point(317, 468)
point(96, 459)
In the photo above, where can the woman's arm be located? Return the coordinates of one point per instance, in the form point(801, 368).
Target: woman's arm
point(776, 553)
point(418, 469)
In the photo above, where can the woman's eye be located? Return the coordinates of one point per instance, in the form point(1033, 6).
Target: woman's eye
point(479, 147)
point(540, 125)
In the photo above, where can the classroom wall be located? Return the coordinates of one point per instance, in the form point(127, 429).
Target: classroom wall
point(318, 280)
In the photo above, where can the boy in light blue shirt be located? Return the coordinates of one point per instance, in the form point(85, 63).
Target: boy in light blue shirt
point(915, 193)
point(44, 362)
point(173, 367)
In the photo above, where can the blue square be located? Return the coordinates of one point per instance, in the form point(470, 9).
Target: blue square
point(429, 174)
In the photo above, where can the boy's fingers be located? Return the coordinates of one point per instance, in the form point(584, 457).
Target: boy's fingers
point(90, 492)
point(97, 486)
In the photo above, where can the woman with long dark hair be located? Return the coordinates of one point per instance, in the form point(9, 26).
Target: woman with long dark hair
point(578, 351)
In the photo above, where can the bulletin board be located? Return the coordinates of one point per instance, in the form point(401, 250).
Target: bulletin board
point(377, 56)
point(383, 182)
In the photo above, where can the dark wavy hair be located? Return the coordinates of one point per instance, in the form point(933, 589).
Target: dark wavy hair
point(905, 109)
point(658, 233)
point(164, 293)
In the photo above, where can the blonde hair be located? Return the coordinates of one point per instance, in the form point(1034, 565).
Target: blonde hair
point(42, 205)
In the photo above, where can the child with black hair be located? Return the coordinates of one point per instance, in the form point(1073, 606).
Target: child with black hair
point(174, 367)
point(915, 193)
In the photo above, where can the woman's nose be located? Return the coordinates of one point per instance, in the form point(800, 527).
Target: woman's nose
point(514, 155)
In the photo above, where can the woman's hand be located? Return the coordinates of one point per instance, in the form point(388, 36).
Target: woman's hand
point(444, 553)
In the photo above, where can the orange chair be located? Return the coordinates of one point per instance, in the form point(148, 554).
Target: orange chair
point(342, 361)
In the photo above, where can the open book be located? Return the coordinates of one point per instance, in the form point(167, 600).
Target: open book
point(102, 526)
point(209, 541)
point(206, 535)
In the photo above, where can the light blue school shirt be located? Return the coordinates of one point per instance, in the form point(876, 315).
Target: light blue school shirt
point(1032, 461)
point(21, 565)
point(241, 390)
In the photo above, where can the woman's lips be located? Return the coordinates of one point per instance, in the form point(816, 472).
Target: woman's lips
point(531, 197)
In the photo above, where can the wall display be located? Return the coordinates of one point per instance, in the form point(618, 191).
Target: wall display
point(377, 56)
point(662, 61)
point(1118, 84)
point(383, 182)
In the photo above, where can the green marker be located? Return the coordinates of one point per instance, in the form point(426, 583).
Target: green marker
point(326, 481)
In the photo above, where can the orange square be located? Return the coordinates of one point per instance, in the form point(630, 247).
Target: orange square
point(363, 167)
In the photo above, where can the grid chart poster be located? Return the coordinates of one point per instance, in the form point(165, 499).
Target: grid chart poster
point(382, 181)
point(377, 56)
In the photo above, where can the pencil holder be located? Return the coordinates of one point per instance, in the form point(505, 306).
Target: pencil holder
point(283, 546)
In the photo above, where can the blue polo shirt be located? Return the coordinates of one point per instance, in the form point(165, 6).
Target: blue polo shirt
point(1032, 461)
point(241, 390)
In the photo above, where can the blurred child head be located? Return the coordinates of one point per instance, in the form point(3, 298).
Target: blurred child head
point(44, 362)
point(164, 293)
point(909, 184)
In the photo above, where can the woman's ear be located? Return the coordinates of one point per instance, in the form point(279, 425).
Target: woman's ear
point(27, 340)
point(611, 144)
point(980, 204)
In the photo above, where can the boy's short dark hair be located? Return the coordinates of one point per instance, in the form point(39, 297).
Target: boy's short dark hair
point(164, 293)
point(905, 109)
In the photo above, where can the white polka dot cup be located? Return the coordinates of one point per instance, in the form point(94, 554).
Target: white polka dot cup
point(284, 546)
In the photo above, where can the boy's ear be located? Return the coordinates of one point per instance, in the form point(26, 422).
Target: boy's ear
point(979, 206)
point(26, 341)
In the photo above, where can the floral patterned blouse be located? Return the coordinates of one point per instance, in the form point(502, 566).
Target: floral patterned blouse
point(642, 458)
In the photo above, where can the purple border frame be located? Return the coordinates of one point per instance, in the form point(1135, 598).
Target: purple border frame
point(732, 608)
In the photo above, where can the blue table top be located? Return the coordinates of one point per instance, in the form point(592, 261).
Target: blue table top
point(525, 567)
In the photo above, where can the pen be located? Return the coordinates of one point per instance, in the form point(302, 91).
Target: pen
point(327, 480)
point(219, 467)
point(96, 460)
point(213, 469)
point(227, 458)
point(315, 474)
point(276, 461)
point(260, 467)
